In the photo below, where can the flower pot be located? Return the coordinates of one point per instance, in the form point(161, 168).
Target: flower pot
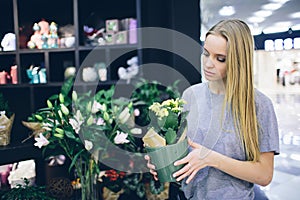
point(5, 129)
point(164, 157)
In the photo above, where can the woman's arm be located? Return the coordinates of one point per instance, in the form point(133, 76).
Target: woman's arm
point(256, 172)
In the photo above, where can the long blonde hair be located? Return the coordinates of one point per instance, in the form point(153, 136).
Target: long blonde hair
point(239, 82)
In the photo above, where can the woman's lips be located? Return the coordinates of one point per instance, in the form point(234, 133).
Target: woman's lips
point(208, 73)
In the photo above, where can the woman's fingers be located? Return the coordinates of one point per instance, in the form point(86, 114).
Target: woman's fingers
point(191, 176)
point(184, 160)
point(151, 167)
point(183, 172)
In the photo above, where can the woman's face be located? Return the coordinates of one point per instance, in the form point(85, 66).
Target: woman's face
point(214, 57)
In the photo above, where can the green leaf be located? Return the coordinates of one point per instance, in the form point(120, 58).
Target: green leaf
point(171, 121)
point(70, 134)
point(170, 136)
point(67, 86)
point(75, 159)
point(53, 97)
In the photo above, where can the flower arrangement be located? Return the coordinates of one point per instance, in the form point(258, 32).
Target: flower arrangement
point(166, 140)
point(168, 125)
point(81, 126)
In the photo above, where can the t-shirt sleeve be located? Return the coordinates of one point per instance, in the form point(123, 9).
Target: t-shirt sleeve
point(186, 97)
point(267, 125)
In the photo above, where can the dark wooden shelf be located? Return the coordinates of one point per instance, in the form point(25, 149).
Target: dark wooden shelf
point(7, 52)
point(28, 85)
point(27, 51)
point(113, 46)
point(18, 152)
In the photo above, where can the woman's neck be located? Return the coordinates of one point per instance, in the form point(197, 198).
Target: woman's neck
point(217, 87)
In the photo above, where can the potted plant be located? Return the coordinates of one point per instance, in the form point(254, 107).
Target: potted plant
point(26, 192)
point(6, 121)
point(166, 139)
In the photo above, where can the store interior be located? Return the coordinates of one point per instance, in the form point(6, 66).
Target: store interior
point(141, 49)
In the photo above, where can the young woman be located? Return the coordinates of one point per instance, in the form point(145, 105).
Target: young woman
point(232, 127)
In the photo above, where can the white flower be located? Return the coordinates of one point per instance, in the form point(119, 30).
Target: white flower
point(79, 117)
point(56, 160)
point(121, 138)
point(124, 115)
point(88, 145)
point(47, 126)
point(162, 113)
point(76, 122)
point(75, 125)
point(102, 173)
point(100, 121)
point(155, 107)
point(96, 107)
point(136, 131)
point(41, 141)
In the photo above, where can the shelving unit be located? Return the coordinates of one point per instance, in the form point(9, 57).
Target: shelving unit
point(17, 17)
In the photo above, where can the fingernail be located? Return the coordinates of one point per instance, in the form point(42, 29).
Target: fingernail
point(175, 163)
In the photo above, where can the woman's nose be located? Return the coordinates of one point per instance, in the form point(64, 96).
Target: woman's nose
point(208, 62)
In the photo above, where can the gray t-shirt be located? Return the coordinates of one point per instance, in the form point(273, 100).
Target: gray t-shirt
point(206, 127)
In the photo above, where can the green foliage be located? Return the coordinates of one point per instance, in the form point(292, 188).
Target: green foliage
point(169, 119)
point(146, 93)
point(4, 106)
point(149, 92)
point(26, 192)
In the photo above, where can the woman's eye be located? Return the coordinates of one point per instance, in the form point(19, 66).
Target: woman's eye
point(205, 53)
point(221, 59)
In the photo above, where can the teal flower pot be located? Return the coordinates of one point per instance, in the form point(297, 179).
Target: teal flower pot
point(164, 157)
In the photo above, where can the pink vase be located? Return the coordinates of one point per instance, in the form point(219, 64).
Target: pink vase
point(14, 74)
point(3, 75)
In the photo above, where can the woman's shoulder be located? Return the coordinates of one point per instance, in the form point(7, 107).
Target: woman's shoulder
point(196, 88)
point(261, 97)
point(262, 101)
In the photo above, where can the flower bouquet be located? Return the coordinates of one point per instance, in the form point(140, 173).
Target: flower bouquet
point(166, 139)
point(83, 127)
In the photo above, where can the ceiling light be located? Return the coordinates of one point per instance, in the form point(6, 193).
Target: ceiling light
point(295, 15)
point(286, 24)
point(279, 1)
point(271, 6)
point(275, 29)
point(256, 19)
point(255, 30)
point(227, 11)
point(263, 13)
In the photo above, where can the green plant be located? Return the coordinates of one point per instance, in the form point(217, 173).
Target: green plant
point(146, 93)
point(169, 119)
point(4, 106)
point(26, 192)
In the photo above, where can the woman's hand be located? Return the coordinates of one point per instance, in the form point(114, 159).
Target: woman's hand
point(151, 167)
point(197, 159)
